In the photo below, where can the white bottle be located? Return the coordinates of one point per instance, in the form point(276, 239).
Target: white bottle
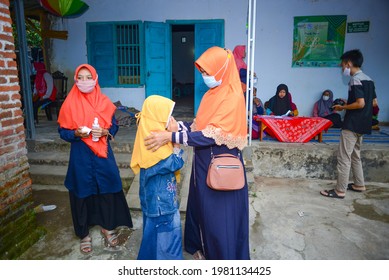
point(95, 125)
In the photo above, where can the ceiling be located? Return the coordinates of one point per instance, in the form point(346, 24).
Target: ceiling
point(29, 7)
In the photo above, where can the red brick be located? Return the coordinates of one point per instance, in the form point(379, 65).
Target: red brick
point(12, 64)
point(6, 132)
point(5, 19)
point(13, 80)
point(5, 114)
point(5, 2)
point(9, 105)
point(4, 97)
point(12, 122)
point(4, 37)
point(10, 47)
point(2, 62)
point(15, 96)
point(5, 150)
point(2, 79)
point(19, 129)
point(18, 113)
point(8, 166)
point(10, 88)
point(7, 29)
point(4, 11)
point(10, 55)
point(8, 72)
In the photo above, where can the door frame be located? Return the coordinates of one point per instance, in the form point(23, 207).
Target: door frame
point(197, 81)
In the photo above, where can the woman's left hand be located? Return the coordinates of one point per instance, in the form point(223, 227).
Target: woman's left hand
point(157, 139)
point(99, 132)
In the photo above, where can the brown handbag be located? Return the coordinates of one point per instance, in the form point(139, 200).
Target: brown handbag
point(225, 173)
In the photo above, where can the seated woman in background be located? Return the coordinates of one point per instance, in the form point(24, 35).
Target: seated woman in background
point(375, 122)
point(323, 109)
point(258, 109)
point(281, 103)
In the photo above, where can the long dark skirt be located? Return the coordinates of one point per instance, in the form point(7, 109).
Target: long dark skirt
point(106, 210)
point(216, 221)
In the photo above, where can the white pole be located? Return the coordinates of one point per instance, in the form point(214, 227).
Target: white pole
point(250, 63)
point(248, 59)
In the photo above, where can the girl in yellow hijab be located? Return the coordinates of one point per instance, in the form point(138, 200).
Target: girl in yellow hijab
point(158, 172)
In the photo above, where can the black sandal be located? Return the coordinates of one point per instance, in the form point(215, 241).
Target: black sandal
point(331, 194)
point(350, 188)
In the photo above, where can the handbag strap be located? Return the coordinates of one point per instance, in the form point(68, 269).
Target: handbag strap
point(212, 155)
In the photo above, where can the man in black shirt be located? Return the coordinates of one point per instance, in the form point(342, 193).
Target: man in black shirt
point(357, 121)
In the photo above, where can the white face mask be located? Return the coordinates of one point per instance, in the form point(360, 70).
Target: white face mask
point(325, 97)
point(347, 72)
point(210, 81)
point(86, 86)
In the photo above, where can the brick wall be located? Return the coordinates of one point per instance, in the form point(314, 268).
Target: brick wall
point(18, 229)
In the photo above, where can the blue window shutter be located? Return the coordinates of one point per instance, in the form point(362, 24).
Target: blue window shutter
point(100, 44)
point(158, 59)
point(206, 35)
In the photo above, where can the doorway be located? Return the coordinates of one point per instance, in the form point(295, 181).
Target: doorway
point(183, 69)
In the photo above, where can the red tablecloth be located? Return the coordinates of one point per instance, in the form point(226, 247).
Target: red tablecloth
point(294, 129)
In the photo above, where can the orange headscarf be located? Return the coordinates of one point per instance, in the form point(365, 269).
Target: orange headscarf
point(80, 109)
point(221, 114)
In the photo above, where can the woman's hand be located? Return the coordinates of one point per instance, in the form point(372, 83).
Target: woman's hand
point(80, 132)
point(99, 132)
point(193, 125)
point(157, 139)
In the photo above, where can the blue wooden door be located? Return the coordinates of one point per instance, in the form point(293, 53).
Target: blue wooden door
point(158, 59)
point(206, 35)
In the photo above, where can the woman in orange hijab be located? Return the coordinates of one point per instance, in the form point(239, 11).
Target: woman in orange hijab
point(216, 225)
point(93, 179)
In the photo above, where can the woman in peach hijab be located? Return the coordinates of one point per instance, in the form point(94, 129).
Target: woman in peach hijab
point(93, 179)
point(216, 225)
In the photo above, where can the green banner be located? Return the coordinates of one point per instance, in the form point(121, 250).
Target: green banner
point(318, 41)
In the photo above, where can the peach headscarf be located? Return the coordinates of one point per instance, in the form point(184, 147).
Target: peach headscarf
point(80, 109)
point(221, 114)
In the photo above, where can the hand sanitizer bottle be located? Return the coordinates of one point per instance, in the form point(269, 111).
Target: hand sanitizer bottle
point(95, 125)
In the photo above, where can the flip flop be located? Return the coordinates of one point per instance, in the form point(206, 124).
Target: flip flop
point(331, 194)
point(350, 188)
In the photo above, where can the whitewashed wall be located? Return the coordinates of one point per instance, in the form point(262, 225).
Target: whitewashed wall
point(274, 35)
point(273, 57)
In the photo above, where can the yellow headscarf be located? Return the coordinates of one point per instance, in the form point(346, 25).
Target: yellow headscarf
point(154, 116)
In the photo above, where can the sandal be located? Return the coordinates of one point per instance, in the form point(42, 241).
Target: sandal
point(350, 187)
point(110, 237)
point(86, 245)
point(331, 194)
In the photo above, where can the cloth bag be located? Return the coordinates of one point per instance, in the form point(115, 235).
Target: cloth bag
point(225, 173)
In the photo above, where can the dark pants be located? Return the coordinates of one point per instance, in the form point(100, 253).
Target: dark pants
point(40, 103)
point(335, 119)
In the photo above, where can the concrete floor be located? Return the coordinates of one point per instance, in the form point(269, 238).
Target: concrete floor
point(289, 220)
